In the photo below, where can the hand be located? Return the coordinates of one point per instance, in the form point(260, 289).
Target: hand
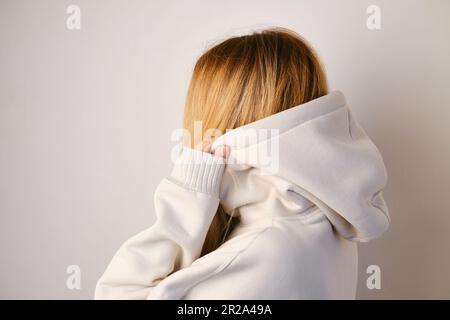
point(221, 151)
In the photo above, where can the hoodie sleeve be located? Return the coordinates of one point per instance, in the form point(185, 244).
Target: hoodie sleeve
point(185, 204)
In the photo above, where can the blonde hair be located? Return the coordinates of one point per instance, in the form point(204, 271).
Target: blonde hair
point(244, 79)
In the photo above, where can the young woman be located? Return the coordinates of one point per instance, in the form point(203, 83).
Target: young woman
point(272, 217)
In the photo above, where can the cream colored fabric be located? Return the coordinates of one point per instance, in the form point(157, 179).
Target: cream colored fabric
point(302, 207)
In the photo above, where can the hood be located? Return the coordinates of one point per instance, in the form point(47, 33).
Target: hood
point(314, 154)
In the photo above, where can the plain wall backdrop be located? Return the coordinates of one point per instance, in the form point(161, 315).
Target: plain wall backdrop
point(86, 118)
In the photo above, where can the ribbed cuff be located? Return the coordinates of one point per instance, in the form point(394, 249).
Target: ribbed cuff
point(199, 171)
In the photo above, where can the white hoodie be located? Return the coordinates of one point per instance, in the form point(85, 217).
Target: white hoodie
point(318, 186)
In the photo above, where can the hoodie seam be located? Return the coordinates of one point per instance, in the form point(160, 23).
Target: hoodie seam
point(223, 266)
point(307, 121)
point(379, 208)
point(300, 124)
point(294, 127)
point(339, 104)
point(349, 124)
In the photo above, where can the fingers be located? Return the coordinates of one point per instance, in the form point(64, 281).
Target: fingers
point(221, 151)
point(204, 145)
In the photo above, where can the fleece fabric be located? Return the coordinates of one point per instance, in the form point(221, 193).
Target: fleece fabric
point(307, 185)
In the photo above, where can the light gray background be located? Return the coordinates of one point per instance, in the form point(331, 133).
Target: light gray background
point(86, 118)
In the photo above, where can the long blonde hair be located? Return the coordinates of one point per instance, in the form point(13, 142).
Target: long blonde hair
point(244, 79)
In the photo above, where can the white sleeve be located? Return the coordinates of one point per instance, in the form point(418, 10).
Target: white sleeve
point(185, 204)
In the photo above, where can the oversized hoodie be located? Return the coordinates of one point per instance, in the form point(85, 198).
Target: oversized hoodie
point(307, 184)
